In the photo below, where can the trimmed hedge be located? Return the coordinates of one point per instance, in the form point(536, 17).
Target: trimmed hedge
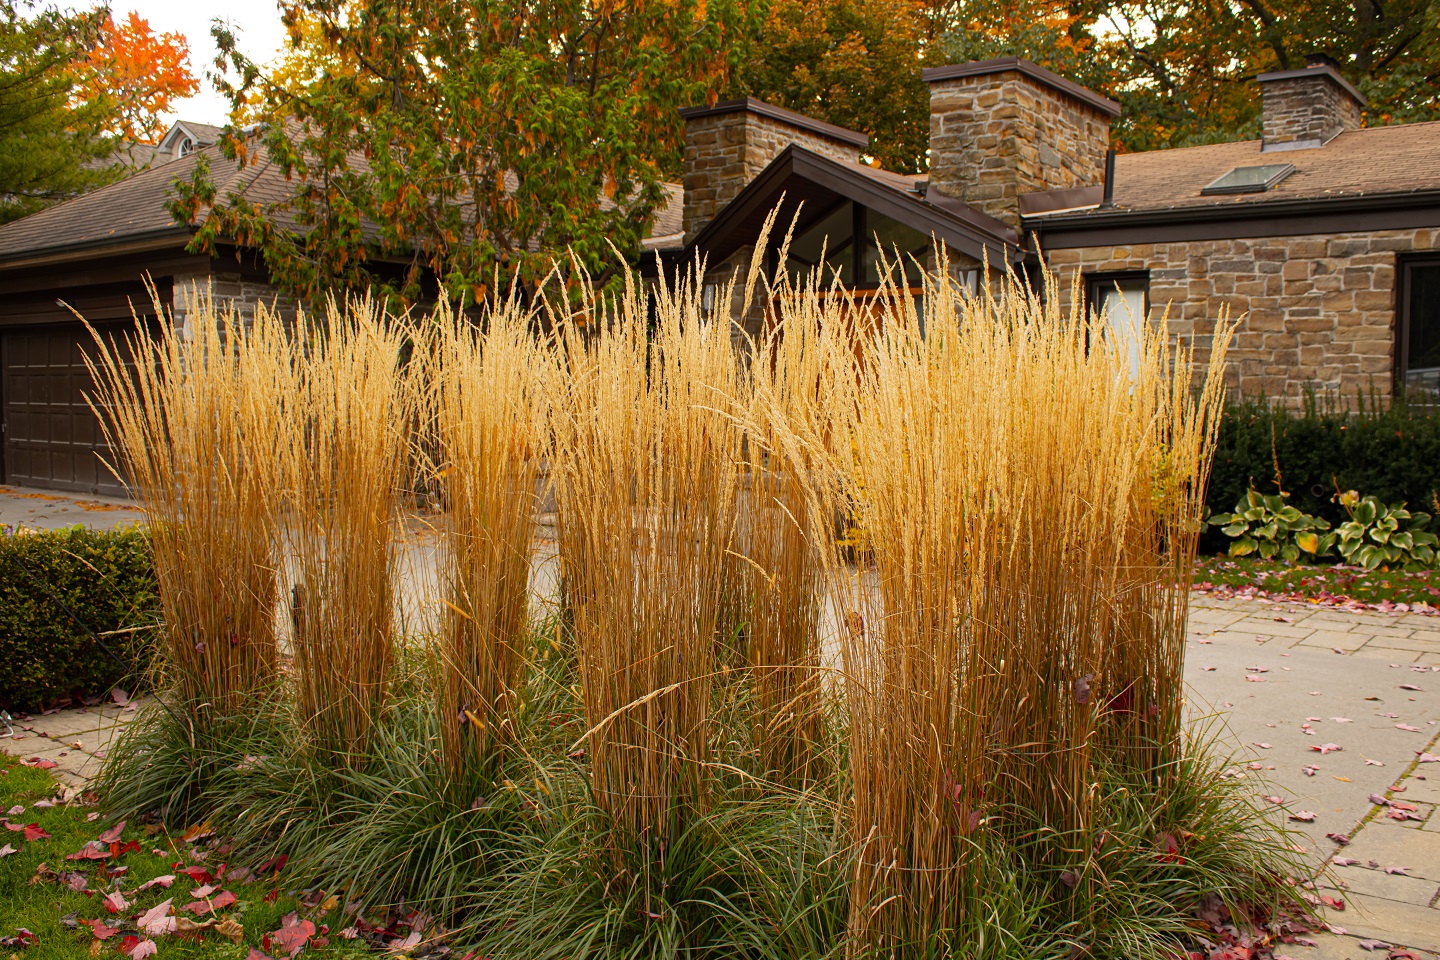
point(1390, 450)
point(107, 579)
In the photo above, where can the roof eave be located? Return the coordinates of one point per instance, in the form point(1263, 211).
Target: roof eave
point(161, 239)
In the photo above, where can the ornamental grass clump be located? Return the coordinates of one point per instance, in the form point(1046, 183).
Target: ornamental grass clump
point(195, 411)
point(644, 458)
point(796, 382)
point(347, 460)
point(1031, 504)
point(488, 386)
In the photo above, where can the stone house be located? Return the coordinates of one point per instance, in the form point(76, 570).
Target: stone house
point(1322, 238)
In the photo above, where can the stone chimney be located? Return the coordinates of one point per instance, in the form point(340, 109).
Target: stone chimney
point(727, 145)
point(1308, 107)
point(1000, 128)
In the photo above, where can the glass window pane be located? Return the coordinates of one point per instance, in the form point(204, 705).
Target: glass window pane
point(1122, 304)
point(833, 234)
point(1423, 314)
point(894, 239)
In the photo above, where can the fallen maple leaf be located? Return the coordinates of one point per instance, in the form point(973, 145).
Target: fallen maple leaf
point(164, 881)
point(220, 901)
point(100, 930)
point(204, 890)
point(1304, 816)
point(1325, 748)
point(256, 955)
point(1344, 861)
point(33, 832)
point(1396, 871)
point(143, 949)
point(1410, 686)
point(1406, 726)
point(115, 901)
point(113, 834)
point(198, 874)
point(1339, 838)
point(1427, 758)
point(6, 850)
point(157, 920)
point(1373, 945)
point(291, 937)
point(1309, 769)
point(1373, 763)
point(1334, 903)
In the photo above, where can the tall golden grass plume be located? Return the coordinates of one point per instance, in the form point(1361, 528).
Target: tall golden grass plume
point(347, 464)
point(644, 458)
point(488, 382)
point(1030, 502)
point(194, 409)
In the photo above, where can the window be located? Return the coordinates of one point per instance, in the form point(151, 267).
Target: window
point(187, 147)
point(1417, 348)
point(857, 264)
point(1250, 179)
point(1122, 300)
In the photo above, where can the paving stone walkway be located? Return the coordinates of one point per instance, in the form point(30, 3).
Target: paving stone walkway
point(1285, 683)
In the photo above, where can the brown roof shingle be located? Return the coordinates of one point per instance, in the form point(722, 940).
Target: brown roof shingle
point(1396, 159)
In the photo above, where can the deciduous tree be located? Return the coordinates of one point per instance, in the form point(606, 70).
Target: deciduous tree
point(52, 142)
point(467, 139)
point(136, 75)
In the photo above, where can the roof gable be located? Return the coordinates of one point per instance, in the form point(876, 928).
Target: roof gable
point(799, 176)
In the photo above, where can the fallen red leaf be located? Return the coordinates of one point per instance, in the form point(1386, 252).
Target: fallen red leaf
point(198, 874)
point(291, 937)
point(220, 901)
point(94, 850)
point(101, 931)
point(33, 832)
point(113, 834)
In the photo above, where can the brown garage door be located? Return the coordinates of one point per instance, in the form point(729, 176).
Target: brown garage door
point(52, 438)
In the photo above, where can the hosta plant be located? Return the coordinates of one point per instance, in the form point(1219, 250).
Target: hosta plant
point(1266, 525)
point(1377, 535)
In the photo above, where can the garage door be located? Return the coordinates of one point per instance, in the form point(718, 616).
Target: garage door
point(51, 437)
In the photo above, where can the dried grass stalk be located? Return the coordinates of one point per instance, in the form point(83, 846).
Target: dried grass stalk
point(1030, 506)
point(347, 460)
point(644, 461)
point(196, 420)
point(488, 386)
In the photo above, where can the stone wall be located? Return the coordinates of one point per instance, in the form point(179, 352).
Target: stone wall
point(725, 151)
point(1312, 312)
point(996, 136)
point(229, 289)
point(1306, 109)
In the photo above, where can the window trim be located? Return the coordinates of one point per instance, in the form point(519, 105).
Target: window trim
point(1404, 264)
point(1094, 282)
point(860, 239)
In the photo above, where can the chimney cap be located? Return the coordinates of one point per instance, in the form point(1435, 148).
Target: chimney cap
point(1319, 66)
point(980, 68)
point(762, 109)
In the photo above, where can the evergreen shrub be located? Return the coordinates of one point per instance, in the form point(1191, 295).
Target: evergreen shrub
point(107, 580)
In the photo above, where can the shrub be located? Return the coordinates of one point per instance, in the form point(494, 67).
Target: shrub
point(1269, 526)
point(1386, 449)
point(106, 578)
point(1377, 534)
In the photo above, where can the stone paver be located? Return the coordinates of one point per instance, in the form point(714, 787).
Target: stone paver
point(77, 739)
point(1337, 676)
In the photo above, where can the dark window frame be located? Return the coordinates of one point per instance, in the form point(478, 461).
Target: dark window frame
point(1404, 265)
point(1095, 282)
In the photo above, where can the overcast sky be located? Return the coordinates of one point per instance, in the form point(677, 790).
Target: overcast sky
point(255, 22)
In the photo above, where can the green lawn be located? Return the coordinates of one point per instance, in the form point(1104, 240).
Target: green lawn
point(38, 895)
point(1325, 583)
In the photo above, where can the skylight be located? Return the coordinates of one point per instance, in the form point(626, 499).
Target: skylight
point(1251, 179)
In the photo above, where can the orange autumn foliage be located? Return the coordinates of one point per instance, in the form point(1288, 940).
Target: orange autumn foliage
point(138, 74)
